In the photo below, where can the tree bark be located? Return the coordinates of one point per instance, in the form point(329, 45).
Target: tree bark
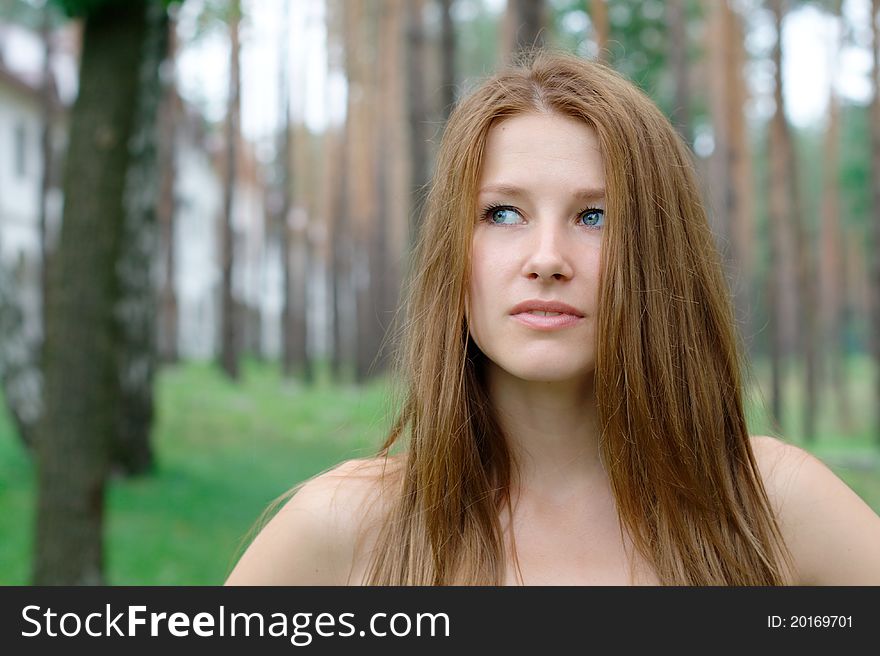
point(803, 245)
point(361, 118)
point(229, 312)
point(778, 216)
point(47, 102)
point(527, 22)
point(419, 114)
point(676, 22)
point(386, 244)
point(168, 307)
point(730, 163)
point(598, 10)
point(137, 308)
point(334, 186)
point(832, 289)
point(301, 255)
point(447, 56)
point(82, 377)
point(286, 180)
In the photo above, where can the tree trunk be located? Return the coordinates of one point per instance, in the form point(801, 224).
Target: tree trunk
point(362, 141)
point(526, 23)
point(831, 291)
point(301, 257)
point(47, 101)
point(167, 207)
point(803, 246)
point(529, 23)
point(285, 181)
point(598, 10)
point(730, 163)
point(676, 22)
point(335, 184)
point(447, 57)
point(419, 114)
point(82, 376)
point(229, 312)
point(137, 307)
point(387, 246)
point(778, 216)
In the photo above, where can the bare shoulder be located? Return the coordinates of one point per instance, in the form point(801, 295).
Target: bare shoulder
point(833, 535)
point(318, 536)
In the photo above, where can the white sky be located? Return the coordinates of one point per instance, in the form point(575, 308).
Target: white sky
point(203, 65)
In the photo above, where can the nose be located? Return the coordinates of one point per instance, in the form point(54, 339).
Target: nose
point(548, 258)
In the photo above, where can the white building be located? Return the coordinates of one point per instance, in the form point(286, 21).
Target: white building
point(198, 201)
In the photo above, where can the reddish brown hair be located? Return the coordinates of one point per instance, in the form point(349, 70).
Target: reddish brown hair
point(674, 440)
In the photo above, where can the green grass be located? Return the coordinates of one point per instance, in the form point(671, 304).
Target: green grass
point(225, 451)
point(847, 444)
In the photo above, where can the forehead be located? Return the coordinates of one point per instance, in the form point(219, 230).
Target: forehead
point(534, 148)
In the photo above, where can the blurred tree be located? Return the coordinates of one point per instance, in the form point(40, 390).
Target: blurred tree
point(477, 40)
point(389, 239)
point(677, 41)
point(335, 177)
point(525, 23)
point(229, 314)
point(730, 164)
point(49, 103)
point(360, 29)
point(831, 239)
point(289, 332)
point(419, 112)
point(447, 58)
point(599, 14)
point(639, 48)
point(787, 211)
point(779, 211)
point(106, 188)
point(136, 310)
point(874, 251)
point(169, 113)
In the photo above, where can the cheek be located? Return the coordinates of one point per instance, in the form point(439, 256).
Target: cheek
point(483, 280)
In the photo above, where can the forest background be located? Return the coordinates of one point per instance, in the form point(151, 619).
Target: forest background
point(207, 207)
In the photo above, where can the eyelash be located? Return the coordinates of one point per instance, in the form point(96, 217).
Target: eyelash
point(488, 210)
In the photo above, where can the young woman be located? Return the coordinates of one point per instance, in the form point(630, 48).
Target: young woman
point(573, 410)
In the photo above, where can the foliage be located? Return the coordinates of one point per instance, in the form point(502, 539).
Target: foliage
point(637, 45)
point(29, 14)
point(476, 31)
point(217, 15)
point(84, 8)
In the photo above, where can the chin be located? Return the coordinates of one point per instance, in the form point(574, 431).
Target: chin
point(545, 371)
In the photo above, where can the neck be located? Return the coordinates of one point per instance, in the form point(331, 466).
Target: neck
point(552, 431)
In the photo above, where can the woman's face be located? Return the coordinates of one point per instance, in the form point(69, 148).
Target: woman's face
point(535, 254)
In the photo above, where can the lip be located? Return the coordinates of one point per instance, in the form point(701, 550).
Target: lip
point(568, 316)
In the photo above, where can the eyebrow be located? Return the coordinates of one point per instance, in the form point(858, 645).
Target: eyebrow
point(513, 190)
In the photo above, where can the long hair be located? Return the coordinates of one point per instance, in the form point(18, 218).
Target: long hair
point(673, 441)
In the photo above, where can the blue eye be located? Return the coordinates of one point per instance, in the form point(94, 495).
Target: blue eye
point(593, 218)
point(503, 216)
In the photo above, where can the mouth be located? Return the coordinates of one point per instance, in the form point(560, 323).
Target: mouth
point(546, 315)
point(547, 320)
